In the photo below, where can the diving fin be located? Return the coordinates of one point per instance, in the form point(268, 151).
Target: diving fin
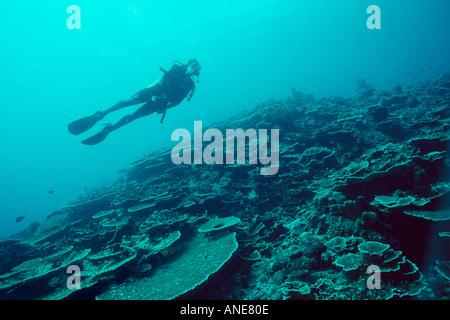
point(99, 137)
point(84, 124)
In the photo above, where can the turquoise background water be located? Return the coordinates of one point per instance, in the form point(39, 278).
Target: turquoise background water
point(250, 51)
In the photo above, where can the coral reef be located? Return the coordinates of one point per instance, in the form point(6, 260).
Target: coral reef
point(362, 181)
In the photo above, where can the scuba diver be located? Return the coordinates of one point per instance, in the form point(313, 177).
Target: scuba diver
point(165, 93)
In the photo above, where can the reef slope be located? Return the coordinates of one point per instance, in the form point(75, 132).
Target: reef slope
point(363, 181)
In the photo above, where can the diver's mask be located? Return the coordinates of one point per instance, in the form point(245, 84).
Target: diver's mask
point(195, 66)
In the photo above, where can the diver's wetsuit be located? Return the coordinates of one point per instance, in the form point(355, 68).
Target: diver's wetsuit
point(168, 92)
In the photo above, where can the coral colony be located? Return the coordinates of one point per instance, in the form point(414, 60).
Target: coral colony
point(216, 147)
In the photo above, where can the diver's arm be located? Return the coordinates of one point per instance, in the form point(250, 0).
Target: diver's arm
point(174, 101)
point(154, 83)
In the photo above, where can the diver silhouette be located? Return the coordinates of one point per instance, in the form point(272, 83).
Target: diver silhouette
point(167, 92)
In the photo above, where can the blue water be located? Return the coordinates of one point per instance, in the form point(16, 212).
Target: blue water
point(250, 51)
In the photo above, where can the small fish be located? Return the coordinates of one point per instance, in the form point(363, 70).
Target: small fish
point(51, 191)
point(18, 219)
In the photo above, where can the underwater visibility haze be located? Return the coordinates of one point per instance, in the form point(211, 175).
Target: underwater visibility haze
point(357, 123)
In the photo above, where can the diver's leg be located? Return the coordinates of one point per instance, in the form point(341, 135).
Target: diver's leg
point(84, 124)
point(145, 110)
point(142, 96)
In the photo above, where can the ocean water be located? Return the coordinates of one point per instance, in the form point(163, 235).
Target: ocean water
point(250, 51)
